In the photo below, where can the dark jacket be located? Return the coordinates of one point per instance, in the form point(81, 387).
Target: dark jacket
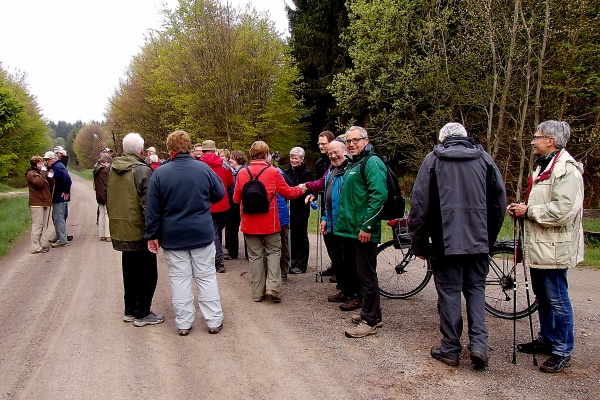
point(322, 165)
point(100, 173)
point(299, 174)
point(62, 182)
point(458, 201)
point(128, 181)
point(179, 200)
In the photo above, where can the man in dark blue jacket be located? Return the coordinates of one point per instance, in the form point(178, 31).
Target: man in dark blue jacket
point(62, 193)
point(178, 219)
point(456, 212)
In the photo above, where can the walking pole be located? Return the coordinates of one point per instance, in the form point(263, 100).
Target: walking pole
point(50, 210)
point(515, 255)
point(319, 250)
point(535, 357)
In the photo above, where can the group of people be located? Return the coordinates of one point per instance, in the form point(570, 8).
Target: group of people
point(457, 209)
point(49, 185)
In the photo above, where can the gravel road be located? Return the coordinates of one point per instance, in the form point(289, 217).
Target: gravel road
point(62, 337)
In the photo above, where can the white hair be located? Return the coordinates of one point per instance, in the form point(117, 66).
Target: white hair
point(297, 151)
point(559, 130)
point(133, 143)
point(452, 129)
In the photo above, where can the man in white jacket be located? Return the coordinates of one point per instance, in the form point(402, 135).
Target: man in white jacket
point(552, 240)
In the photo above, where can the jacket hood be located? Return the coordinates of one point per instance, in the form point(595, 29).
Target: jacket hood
point(97, 168)
point(458, 148)
point(126, 162)
point(212, 159)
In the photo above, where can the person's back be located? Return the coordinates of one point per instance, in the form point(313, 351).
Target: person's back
point(184, 192)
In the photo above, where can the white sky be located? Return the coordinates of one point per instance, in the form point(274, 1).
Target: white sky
point(74, 51)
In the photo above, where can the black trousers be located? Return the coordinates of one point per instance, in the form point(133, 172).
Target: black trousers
point(140, 276)
point(299, 244)
point(366, 268)
point(232, 229)
point(343, 261)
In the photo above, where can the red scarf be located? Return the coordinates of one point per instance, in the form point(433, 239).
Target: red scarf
point(541, 177)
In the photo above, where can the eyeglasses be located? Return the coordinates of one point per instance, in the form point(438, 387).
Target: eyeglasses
point(334, 152)
point(354, 141)
point(538, 137)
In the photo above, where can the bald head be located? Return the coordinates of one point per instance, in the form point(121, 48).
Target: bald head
point(336, 150)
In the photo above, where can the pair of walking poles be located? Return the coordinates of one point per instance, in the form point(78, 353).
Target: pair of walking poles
point(320, 239)
point(518, 257)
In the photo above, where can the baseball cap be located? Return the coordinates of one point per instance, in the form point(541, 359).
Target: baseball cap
point(209, 145)
point(59, 149)
point(49, 154)
point(152, 149)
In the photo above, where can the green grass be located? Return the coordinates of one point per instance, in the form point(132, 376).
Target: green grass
point(5, 189)
point(84, 173)
point(16, 220)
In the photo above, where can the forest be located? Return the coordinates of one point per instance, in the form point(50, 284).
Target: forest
point(400, 68)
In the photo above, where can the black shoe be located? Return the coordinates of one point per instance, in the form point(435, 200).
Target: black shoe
point(436, 353)
point(328, 272)
point(296, 271)
point(333, 279)
point(69, 238)
point(556, 364)
point(535, 347)
point(479, 360)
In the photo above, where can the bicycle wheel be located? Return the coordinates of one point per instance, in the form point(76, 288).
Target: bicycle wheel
point(400, 274)
point(499, 291)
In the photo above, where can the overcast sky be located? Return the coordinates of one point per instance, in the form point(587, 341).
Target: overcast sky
point(74, 52)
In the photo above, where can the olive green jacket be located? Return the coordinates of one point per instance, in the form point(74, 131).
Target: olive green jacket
point(126, 202)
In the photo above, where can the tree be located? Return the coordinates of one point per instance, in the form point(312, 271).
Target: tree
point(22, 131)
point(87, 147)
point(316, 29)
point(216, 72)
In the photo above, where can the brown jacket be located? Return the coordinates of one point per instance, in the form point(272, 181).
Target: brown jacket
point(40, 188)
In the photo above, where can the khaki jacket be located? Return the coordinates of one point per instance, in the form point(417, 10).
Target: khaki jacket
point(553, 231)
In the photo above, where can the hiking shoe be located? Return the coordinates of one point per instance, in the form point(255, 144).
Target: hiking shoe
point(259, 299)
point(556, 363)
point(328, 272)
point(216, 330)
point(69, 238)
point(273, 295)
point(128, 318)
point(42, 250)
point(220, 268)
point(102, 238)
point(337, 298)
point(436, 353)
point(57, 244)
point(108, 239)
point(535, 347)
point(361, 330)
point(479, 360)
point(356, 318)
point(352, 304)
point(150, 319)
point(52, 241)
point(296, 271)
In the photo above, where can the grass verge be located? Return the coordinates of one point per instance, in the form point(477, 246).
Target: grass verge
point(84, 173)
point(16, 220)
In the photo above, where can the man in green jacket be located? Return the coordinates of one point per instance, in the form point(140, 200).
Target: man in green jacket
point(128, 182)
point(359, 223)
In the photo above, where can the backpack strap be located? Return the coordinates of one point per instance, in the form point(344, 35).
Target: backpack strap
point(363, 164)
point(249, 173)
point(261, 171)
point(257, 175)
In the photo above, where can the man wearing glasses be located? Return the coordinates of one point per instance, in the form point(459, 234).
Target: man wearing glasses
point(359, 224)
point(552, 240)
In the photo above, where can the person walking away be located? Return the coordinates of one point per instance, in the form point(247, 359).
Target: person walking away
point(100, 174)
point(178, 219)
point(359, 223)
point(552, 240)
point(126, 205)
point(40, 201)
point(458, 204)
point(60, 198)
point(219, 209)
point(261, 230)
point(299, 173)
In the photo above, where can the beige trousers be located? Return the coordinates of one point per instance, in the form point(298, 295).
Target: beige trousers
point(39, 216)
point(269, 247)
point(103, 222)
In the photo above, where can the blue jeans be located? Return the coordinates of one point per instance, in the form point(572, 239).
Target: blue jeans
point(60, 221)
point(551, 290)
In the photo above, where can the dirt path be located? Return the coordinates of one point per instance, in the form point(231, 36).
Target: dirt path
point(62, 337)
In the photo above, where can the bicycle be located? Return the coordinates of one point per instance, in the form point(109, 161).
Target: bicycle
point(402, 275)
